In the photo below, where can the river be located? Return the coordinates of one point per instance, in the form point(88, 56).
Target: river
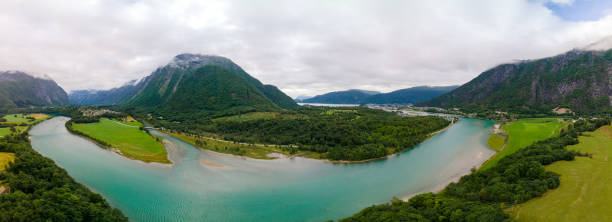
point(244, 189)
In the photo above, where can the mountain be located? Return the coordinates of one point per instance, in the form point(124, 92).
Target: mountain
point(579, 79)
point(403, 96)
point(410, 95)
point(352, 96)
point(105, 97)
point(18, 89)
point(206, 85)
point(299, 99)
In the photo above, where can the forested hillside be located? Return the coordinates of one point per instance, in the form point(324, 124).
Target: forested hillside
point(160, 91)
point(213, 90)
point(39, 190)
point(579, 80)
point(18, 89)
point(166, 84)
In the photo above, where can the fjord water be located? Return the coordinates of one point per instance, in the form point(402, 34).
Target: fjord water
point(295, 189)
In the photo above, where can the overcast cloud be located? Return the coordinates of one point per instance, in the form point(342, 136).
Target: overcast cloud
point(303, 47)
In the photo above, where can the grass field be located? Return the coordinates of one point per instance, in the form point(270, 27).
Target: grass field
point(523, 133)
point(127, 137)
point(20, 118)
point(5, 159)
point(585, 193)
point(16, 118)
point(5, 131)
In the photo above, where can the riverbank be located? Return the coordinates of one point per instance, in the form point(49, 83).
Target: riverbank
point(228, 147)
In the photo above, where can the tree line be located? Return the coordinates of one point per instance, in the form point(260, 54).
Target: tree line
point(338, 133)
point(42, 191)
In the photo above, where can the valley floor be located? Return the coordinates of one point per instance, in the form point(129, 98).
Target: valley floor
point(585, 192)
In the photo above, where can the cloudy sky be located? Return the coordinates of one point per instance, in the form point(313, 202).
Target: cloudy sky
point(303, 47)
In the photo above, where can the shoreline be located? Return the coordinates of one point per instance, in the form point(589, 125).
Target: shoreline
point(438, 188)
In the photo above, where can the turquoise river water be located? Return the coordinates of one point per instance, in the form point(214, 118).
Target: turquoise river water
point(244, 189)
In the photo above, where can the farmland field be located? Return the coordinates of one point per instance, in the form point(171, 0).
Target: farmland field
point(585, 192)
point(5, 159)
point(523, 133)
point(127, 138)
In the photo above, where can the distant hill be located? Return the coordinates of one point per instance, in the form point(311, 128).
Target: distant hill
point(300, 99)
point(402, 96)
point(580, 80)
point(105, 97)
point(18, 89)
point(410, 95)
point(353, 96)
point(206, 85)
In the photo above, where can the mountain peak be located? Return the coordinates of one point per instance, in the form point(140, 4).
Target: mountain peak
point(188, 60)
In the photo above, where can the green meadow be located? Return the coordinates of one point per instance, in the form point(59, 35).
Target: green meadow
point(18, 119)
point(5, 131)
point(521, 134)
point(127, 138)
point(585, 192)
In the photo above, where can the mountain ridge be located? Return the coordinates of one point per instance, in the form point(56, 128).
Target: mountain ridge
point(158, 88)
point(19, 89)
point(403, 96)
point(578, 79)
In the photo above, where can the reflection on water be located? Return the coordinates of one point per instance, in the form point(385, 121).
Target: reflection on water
point(195, 188)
